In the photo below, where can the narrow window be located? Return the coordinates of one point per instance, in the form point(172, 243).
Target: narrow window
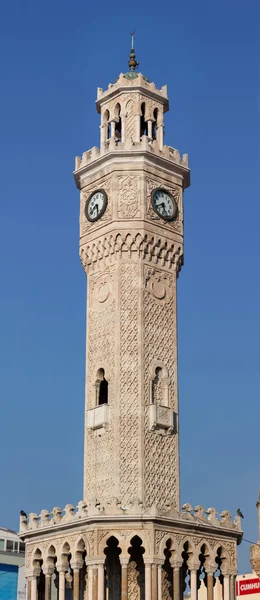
point(144, 129)
point(157, 396)
point(154, 129)
point(118, 125)
point(101, 388)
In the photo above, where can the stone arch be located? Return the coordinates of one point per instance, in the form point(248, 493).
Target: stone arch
point(80, 547)
point(112, 551)
point(135, 568)
point(65, 549)
point(221, 557)
point(159, 384)
point(36, 557)
point(163, 542)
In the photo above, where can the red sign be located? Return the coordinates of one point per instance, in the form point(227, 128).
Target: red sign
point(247, 586)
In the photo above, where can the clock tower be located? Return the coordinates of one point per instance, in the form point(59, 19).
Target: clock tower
point(131, 247)
point(129, 539)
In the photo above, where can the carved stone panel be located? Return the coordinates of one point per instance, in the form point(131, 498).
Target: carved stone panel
point(128, 197)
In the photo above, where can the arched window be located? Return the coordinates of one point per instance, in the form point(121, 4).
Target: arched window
point(101, 388)
point(154, 129)
point(144, 128)
point(118, 124)
point(157, 391)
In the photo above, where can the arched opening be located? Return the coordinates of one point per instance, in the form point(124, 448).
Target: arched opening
point(135, 570)
point(167, 572)
point(154, 127)
point(184, 570)
point(157, 394)
point(101, 388)
point(113, 569)
point(144, 127)
point(107, 126)
point(118, 123)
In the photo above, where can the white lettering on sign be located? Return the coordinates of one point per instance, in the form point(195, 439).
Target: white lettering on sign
point(249, 586)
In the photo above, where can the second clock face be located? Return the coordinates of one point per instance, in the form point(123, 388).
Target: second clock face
point(164, 204)
point(96, 205)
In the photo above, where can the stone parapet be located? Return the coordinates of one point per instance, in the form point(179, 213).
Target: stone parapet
point(167, 152)
point(197, 516)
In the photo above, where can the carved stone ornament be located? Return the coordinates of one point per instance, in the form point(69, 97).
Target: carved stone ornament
point(101, 287)
point(128, 197)
point(159, 284)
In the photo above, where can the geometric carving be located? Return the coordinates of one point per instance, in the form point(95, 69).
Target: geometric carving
point(129, 401)
point(159, 348)
point(128, 197)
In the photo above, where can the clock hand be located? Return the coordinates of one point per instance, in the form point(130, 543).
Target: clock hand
point(96, 207)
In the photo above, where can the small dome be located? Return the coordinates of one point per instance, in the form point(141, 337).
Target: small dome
point(133, 75)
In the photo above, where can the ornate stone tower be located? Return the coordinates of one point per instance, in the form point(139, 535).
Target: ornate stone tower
point(128, 539)
point(131, 247)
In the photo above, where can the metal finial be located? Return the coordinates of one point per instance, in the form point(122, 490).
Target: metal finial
point(133, 64)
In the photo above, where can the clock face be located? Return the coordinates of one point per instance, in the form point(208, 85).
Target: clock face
point(96, 205)
point(164, 204)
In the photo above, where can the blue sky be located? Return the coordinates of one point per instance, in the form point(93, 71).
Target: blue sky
point(53, 56)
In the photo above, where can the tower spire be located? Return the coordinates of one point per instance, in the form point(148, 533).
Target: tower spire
point(132, 63)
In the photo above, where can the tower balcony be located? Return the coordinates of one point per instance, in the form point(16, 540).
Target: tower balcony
point(120, 150)
point(98, 417)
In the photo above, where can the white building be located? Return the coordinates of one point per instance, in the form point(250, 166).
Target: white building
point(12, 558)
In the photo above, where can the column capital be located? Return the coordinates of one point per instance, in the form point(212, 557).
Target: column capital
point(94, 562)
point(124, 561)
point(148, 561)
point(62, 567)
point(194, 567)
point(210, 569)
point(48, 570)
point(76, 565)
point(176, 564)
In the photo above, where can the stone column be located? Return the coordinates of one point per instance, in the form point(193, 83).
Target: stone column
point(34, 591)
point(159, 580)
point(226, 586)
point(123, 129)
point(113, 128)
point(28, 588)
point(148, 581)
point(232, 591)
point(176, 583)
point(47, 595)
point(137, 128)
point(124, 590)
point(95, 583)
point(90, 582)
point(61, 585)
point(210, 590)
point(101, 583)
point(193, 583)
point(102, 136)
point(150, 129)
point(76, 584)
point(154, 582)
